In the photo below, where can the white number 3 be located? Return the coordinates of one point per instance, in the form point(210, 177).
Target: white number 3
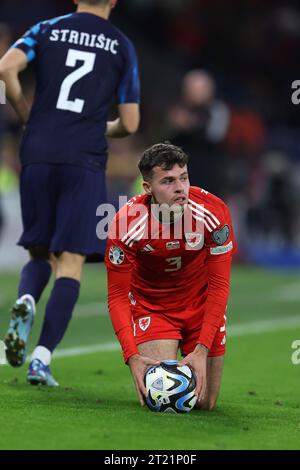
point(176, 262)
point(88, 59)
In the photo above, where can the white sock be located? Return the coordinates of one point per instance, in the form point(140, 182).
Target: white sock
point(43, 354)
point(29, 298)
point(2, 353)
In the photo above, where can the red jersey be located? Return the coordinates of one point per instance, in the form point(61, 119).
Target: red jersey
point(168, 266)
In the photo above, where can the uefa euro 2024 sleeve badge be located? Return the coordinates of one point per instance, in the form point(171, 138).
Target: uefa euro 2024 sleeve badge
point(221, 236)
point(116, 255)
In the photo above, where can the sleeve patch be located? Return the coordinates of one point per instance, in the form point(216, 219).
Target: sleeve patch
point(219, 250)
point(220, 236)
point(116, 255)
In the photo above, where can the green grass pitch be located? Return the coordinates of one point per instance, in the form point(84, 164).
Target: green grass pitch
point(95, 406)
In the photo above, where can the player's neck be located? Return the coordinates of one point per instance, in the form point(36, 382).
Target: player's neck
point(98, 11)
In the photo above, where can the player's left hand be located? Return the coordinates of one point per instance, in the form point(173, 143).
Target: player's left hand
point(197, 361)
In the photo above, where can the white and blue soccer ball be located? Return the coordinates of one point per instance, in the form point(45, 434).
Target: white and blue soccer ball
point(170, 388)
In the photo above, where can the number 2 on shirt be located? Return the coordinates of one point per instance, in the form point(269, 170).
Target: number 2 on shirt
point(88, 59)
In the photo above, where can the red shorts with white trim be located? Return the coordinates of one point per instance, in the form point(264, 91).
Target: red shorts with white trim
point(184, 325)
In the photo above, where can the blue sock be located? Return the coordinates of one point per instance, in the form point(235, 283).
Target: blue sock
point(59, 311)
point(34, 277)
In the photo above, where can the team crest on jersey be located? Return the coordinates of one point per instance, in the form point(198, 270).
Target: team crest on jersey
point(220, 236)
point(194, 240)
point(173, 245)
point(116, 255)
point(144, 323)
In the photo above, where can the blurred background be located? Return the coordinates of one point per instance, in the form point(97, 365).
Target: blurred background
point(217, 80)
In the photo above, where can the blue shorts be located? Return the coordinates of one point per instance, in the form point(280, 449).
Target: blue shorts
point(59, 204)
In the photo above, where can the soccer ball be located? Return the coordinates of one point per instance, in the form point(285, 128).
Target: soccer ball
point(170, 389)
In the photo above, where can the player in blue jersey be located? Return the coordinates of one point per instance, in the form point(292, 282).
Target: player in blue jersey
point(82, 63)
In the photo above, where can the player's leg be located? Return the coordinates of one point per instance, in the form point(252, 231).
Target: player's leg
point(215, 364)
point(215, 359)
point(36, 198)
point(156, 336)
point(160, 350)
point(79, 193)
point(33, 280)
point(213, 381)
point(36, 273)
point(58, 314)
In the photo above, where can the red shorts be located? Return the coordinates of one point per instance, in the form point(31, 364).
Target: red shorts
point(183, 325)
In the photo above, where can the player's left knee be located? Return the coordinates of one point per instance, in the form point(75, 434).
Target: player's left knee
point(39, 253)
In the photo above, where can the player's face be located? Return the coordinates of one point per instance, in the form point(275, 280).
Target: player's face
point(169, 186)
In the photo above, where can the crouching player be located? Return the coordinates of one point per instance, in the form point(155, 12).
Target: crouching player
point(168, 259)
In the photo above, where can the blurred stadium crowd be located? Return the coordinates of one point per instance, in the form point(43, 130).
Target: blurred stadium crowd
point(216, 80)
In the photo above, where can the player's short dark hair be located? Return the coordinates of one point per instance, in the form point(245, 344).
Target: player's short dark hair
point(163, 155)
point(94, 2)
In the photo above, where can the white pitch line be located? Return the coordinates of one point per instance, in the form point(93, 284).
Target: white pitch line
point(263, 326)
point(79, 351)
point(258, 327)
point(98, 309)
point(288, 293)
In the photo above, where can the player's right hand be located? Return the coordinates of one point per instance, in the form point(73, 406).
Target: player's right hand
point(138, 365)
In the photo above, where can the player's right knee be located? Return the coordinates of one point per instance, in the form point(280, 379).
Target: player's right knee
point(206, 405)
point(39, 252)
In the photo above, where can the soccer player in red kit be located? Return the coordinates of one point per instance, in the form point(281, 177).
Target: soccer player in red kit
point(168, 259)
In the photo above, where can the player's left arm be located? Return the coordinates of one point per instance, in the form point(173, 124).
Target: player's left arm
point(12, 63)
point(220, 247)
point(127, 123)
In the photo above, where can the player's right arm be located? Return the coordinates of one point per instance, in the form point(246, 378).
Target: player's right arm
point(119, 261)
point(128, 97)
point(12, 63)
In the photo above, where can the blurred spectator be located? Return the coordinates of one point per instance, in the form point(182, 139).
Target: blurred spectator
point(122, 168)
point(272, 217)
point(199, 124)
point(5, 39)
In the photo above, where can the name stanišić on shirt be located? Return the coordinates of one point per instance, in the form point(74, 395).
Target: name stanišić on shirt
point(85, 39)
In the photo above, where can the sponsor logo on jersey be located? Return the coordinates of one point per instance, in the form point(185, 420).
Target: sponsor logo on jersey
point(219, 250)
point(116, 255)
point(194, 239)
point(220, 236)
point(144, 323)
point(148, 249)
point(173, 245)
